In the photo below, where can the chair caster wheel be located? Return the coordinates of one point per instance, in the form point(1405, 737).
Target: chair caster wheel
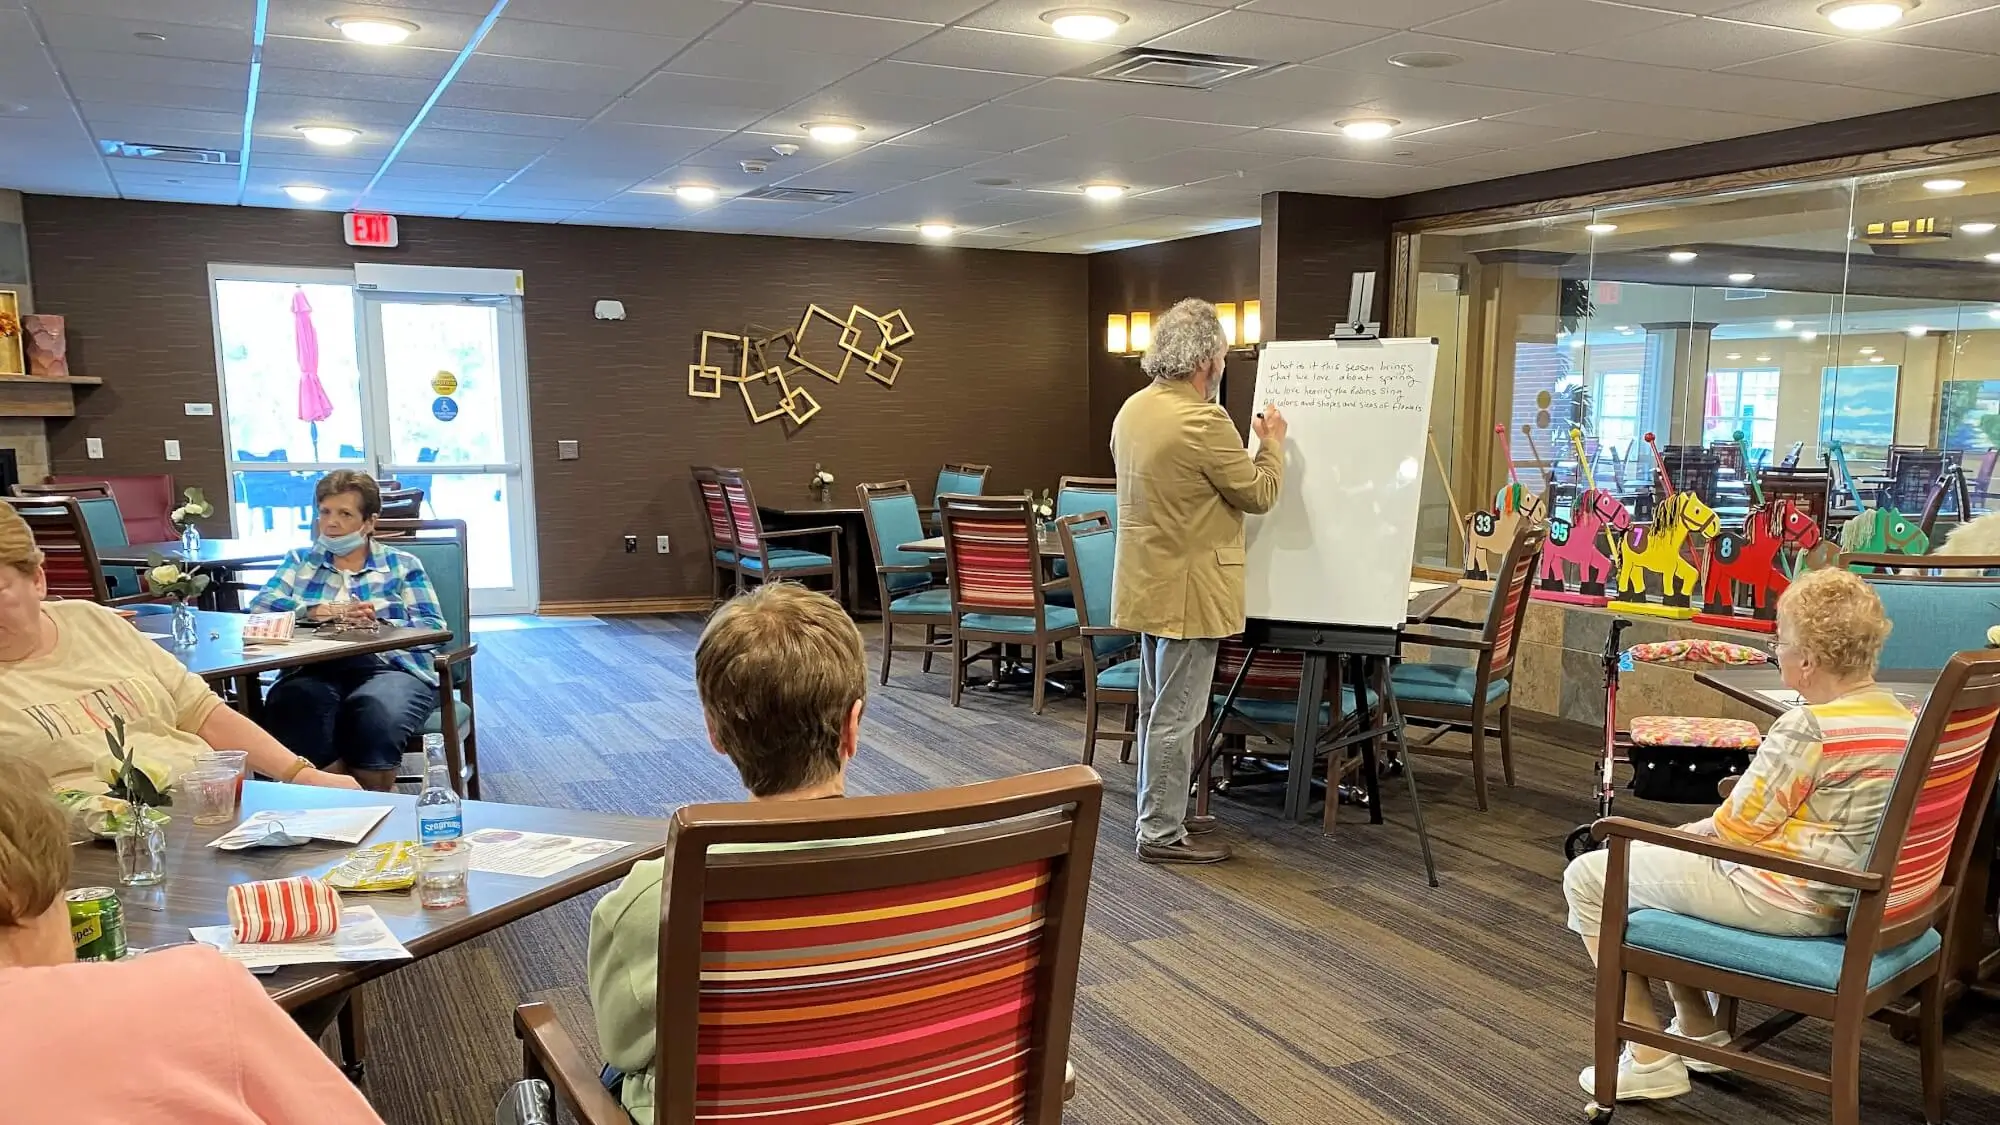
point(1578, 842)
point(354, 1071)
point(1596, 1114)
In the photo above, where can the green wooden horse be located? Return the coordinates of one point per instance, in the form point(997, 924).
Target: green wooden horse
point(1883, 531)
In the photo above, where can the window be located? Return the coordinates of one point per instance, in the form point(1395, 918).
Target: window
point(1745, 401)
point(1620, 420)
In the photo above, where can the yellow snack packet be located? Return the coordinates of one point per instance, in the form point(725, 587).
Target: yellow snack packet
point(379, 867)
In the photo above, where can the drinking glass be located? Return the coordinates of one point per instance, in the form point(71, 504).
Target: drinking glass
point(441, 873)
point(238, 760)
point(210, 792)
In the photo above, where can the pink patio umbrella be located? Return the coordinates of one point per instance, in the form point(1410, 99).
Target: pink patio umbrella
point(314, 406)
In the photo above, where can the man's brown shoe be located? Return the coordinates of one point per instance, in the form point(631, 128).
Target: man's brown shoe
point(1200, 825)
point(1187, 851)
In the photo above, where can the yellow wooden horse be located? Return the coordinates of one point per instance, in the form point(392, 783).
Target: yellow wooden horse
point(1657, 550)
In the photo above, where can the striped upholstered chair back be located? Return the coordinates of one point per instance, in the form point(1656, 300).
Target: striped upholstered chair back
point(1944, 786)
point(744, 522)
point(906, 960)
point(69, 553)
point(718, 523)
point(992, 554)
point(1510, 597)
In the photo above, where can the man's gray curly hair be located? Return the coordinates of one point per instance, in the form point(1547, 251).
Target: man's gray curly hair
point(1185, 336)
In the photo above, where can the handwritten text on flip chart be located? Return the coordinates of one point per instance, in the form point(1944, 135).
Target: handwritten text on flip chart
point(1331, 381)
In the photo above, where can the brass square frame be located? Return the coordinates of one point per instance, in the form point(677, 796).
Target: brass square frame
point(896, 328)
point(895, 363)
point(796, 355)
point(714, 375)
point(800, 418)
point(750, 404)
point(868, 356)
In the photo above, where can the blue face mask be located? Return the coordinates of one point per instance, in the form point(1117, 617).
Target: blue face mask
point(340, 545)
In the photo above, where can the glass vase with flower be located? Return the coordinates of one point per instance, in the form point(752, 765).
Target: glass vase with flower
point(180, 584)
point(141, 842)
point(195, 506)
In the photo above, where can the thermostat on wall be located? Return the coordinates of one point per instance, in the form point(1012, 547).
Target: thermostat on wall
point(199, 409)
point(611, 310)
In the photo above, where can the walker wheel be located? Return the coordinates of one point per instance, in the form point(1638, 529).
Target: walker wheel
point(1578, 842)
point(1597, 1114)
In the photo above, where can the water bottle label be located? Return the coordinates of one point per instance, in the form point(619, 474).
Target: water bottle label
point(437, 828)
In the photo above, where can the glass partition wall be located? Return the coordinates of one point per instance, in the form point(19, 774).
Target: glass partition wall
point(1849, 316)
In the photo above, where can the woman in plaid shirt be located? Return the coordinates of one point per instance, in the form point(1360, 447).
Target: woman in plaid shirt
point(354, 715)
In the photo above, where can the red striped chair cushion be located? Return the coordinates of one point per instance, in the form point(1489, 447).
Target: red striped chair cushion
point(911, 1005)
point(1927, 847)
point(1511, 594)
point(720, 527)
point(995, 562)
point(744, 515)
point(1273, 675)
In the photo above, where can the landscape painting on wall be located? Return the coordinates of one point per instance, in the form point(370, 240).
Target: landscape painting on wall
point(1969, 415)
point(1857, 408)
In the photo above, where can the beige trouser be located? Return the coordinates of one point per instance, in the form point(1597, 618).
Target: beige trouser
point(1684, 883)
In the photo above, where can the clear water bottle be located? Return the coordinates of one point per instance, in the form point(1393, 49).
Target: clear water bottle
point(442, 860)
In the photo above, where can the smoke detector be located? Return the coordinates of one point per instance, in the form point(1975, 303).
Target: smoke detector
point(785, 149)
point(756, 167)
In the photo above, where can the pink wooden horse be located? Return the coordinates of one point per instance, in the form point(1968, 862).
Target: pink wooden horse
point(1579, 542)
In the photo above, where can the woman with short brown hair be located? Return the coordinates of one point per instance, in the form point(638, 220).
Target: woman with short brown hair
point(214, 1050)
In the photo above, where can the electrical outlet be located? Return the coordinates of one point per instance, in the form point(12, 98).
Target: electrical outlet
point(567, 451)
point(631, 544)
point(173, 450)
point(93, 448)
point(663, 544)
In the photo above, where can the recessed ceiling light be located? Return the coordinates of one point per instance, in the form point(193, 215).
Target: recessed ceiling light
point(1103, 190)
point(1944, 185)
point(1784, 326)
point(694, 193)
point(1875, 359)
point(1867, 351)
point(832, 132)
point(1368, 128)
point(149, 37)
point(1976, 228)
point(936, 230)
point(1808, 335)
point(374, 30)
point(1742, 278)
point(1917, 331)
point(1425, 60)
point(1993, 257)
point(1681, 257)
point(1734, 355)
point(1088, 24)
point(1600, 228)
point(305, 193)
point(1763, 359)
point(332, 136)
point(1865, 15)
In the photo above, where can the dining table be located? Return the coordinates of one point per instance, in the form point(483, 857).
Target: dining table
point(222, 558)
point(221, 656)
point(199, 877)
point(858, 556)
point(1971, 941)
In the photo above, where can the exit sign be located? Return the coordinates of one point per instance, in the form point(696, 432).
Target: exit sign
point(369, 228)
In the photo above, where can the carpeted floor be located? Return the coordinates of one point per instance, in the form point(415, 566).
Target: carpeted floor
point(1313, 981)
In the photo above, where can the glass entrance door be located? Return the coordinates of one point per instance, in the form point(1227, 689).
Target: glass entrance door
point(427, 389)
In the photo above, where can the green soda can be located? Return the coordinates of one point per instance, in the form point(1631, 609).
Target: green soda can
point(96, 923)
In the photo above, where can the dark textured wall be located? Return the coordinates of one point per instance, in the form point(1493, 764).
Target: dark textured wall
point(1214, 267)
point(996, 374)
point(1312, 245)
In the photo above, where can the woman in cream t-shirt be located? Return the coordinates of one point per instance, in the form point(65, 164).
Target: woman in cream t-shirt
point(68, 668)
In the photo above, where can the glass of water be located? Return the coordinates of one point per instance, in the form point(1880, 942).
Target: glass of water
point(210, 791)
point(441, 872)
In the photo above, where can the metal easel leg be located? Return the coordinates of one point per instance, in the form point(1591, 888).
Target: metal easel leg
point(1409, 775)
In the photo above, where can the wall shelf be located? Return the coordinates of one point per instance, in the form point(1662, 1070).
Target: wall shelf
point(24, 396)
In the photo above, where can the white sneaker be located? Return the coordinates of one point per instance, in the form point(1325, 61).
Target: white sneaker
point(1642, 1082)
point(1718, 1038)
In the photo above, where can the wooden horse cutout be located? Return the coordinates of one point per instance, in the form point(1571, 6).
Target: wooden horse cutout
point(1589, 541)
point(1488, 534)
point(1883, 531)
point(1754, 561)
point(1658, 550)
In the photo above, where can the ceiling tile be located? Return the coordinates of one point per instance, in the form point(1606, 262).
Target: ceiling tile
point(452, 146)
point(1877, 65)
point(1269, 38)
point(1373, 13)
point(340, 56)
point(70, 30)
point(194, 13)
point(795, 29)
point(149, 69)
point(882, 116)
point(373, 117)
point(1804, 14)
point(1551, 25)
point(700, 102)
point(1680, 123)
point(801, 72)
point(1118, 99)
point(511, 100)
point(1973, 31)
point(1712, 44)
point(402, 94)
point(438, 27)
point(490, 121)
point(115, 119)
point(1506, 68)
point(680, 19)
point(1490, 134)
point(918, 80)
point(1145, 19)
point(999, 128)
point(160, 96)
point(933, 11)
point(1802, 100)
point(530, 40)
point(995, 50)
point(543, 74)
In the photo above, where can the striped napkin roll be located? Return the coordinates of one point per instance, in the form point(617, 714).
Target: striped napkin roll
point(283, 910)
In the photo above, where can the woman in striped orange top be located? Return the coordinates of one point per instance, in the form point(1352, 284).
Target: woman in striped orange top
point(1816, 790)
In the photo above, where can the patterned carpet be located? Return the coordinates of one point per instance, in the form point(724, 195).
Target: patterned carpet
point(1313, 980)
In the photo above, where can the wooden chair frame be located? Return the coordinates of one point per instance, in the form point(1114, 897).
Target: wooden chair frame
point(1095, 697)
point(967, 468)
point(1051, 815)
point(1969, 680)
point(40, 511)
point(1950, 486)
point(1042, 638)
point(1335, 735)
point(746, 511)
point(932, 644)
point(1527, 547)
point(708, 479)
point(79, 489)
point(453, 666)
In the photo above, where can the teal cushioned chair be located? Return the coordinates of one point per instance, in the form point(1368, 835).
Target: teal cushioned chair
point(1474, 697)
point(904, 579)
point(107, 529)
point(440, 546)
point(1076, 496)
point(1266, 704)
point(993, 563)
point(1891, 945)
point(757, 560)
point(719, 529)
point(1935, 618)
point(960, 480)
point(1090, 546)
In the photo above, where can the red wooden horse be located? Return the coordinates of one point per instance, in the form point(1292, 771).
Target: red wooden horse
point(1751, 559)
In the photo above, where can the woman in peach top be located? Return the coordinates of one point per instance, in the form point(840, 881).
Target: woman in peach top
point(1816, 790)
point(183, 1035)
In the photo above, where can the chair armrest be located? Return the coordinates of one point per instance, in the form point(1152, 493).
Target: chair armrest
point(1454, 623)
point(444, 662)
point(1105, 631)
point(792, 532)
point(1056, 585)
point(1442, 640)
point(1619, 827)
point(905, 568)
point(576, 1084)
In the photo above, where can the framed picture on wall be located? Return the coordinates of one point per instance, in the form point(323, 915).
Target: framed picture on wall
point(1969, 414)
point(1857, 408)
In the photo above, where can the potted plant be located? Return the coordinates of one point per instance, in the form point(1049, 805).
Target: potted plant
point(195, 508)
point(142, 844)
point(180, 584)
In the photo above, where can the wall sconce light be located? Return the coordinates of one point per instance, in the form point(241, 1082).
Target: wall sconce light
point(1114, 334)
point(1142, 331)
point(1253, 322)
point(1228, 315)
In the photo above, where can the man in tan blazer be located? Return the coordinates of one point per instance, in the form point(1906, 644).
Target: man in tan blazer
point(1184, 484)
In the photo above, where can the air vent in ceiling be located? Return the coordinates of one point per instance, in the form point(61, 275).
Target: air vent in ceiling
point(173, 154)
point(1154, 67)
point(774, 194)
